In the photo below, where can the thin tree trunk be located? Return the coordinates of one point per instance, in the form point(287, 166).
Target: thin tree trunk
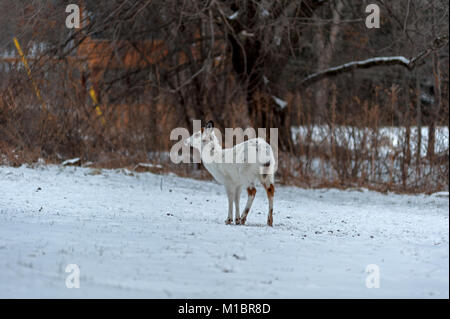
point(419, 127)
point(326, 48)
point(437, 96)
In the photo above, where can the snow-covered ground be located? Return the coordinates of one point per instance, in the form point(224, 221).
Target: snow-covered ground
point(161, 236)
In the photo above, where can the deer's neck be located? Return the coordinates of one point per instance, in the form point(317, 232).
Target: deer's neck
point(213, 149)
point(212, 157)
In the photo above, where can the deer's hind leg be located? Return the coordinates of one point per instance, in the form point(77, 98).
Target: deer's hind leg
point(270, 190)
point(251, 191)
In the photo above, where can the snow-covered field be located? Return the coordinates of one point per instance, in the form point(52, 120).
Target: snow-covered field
point(161, 236)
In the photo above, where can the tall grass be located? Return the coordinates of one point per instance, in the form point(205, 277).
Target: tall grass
point(376, 147)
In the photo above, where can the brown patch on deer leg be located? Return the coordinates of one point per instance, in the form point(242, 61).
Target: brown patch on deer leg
point(251, 191)
point(270, 193)
point(270, 190)
point(270, 218)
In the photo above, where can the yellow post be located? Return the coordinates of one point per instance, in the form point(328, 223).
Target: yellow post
point(97, 108)
point(36, 89)
point(25, 63)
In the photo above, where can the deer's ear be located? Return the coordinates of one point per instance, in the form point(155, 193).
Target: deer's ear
point(210, 124)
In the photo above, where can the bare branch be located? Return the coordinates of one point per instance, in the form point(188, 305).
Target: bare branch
point(377, 61)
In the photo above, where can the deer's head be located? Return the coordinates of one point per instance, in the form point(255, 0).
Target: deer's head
point(202, 137)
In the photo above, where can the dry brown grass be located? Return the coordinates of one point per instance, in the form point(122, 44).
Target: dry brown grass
point(138, 132)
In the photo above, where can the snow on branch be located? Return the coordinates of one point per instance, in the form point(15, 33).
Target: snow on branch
point(377, 61)
point(281, 103)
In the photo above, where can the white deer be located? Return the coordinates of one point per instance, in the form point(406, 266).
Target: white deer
point(243, 171)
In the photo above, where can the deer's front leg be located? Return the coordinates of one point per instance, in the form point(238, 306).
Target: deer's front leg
point(237, 198)
point(230, 196)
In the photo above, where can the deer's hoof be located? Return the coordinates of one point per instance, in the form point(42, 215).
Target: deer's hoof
point(243, 220)
point(228, 221)
point(237, 221)
point(270, 223)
